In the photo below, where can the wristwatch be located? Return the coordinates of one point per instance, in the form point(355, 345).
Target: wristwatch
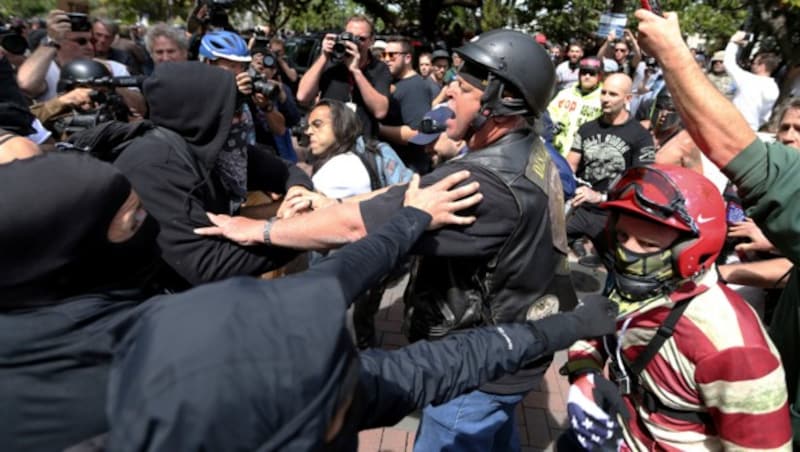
point(50, 42)
point(268, 229)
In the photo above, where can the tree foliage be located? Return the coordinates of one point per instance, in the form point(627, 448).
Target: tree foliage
point(26, 8)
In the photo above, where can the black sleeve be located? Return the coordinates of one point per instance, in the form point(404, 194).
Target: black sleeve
point(171, 194)
point(381, 78)
point(398, 382)
point(496, 216)
point(360, 265)
point(269, 173)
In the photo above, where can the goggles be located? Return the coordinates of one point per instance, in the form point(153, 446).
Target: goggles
point(654, 193)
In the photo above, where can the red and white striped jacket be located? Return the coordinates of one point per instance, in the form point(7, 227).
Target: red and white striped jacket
point(719, 361)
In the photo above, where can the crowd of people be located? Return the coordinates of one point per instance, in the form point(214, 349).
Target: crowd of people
point(159, 183)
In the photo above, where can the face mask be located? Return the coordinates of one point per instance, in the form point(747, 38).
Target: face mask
point(639, 276)
point(232, 162)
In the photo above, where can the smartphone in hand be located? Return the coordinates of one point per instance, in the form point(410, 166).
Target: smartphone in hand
point(653, 6)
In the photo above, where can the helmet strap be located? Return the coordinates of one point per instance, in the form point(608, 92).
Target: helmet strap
point(493, 104)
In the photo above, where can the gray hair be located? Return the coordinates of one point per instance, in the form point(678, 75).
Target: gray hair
point(790, 103)
point(163, 30)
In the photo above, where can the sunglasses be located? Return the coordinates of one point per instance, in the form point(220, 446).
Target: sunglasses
point(655, 193)
point(591, 72)
point(392, 54)
point(620, 50)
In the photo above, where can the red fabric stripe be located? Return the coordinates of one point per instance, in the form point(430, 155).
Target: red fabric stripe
point(749, 325)
point(764, 431)
point(671, 380)
point(737, 364)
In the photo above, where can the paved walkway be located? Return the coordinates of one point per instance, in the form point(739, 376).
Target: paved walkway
point(541, 417)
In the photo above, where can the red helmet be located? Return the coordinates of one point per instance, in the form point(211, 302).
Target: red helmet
point(681, 199)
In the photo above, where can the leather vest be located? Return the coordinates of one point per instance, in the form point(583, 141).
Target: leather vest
point(446, 294)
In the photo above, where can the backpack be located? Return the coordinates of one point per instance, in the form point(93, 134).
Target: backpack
point(385, 168)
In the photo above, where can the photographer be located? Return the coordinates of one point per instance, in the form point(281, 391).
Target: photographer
point(286, 72)
point(69, 38)
point(257, 114)
point(81, 104)
point(347, 71)
point(265, 67)
point(624, 51)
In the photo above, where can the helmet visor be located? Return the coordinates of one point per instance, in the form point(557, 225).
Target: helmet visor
point(655, 194)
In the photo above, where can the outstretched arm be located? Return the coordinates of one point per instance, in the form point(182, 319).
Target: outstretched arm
point(342, 223)
point(713, 122)
point(398, 382)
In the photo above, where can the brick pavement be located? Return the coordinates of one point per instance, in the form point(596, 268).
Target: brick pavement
point(541, 417)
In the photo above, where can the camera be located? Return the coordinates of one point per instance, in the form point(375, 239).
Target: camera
point(269, 60)
point(79, 22)
point(339, 48)
point(110, 105)
point(269, 88)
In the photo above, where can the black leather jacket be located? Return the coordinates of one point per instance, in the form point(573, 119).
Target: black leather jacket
point(446, 294)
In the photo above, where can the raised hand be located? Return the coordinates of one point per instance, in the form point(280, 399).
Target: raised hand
point(443, 199)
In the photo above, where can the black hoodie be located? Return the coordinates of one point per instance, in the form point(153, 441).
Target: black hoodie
point(254, 365)
point(198, 101)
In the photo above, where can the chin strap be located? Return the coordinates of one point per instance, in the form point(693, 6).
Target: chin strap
point(493, 104)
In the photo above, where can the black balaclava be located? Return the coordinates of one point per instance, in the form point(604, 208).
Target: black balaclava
point(195, 100)
point(55, 211)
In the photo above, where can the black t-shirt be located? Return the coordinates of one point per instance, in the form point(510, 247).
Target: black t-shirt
point(336, 82)
point(497, 215)
point(433, 88)
point(607, 150)
point(408, 103)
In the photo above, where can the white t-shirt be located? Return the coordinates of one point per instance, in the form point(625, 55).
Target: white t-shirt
point(54, 73)
point(755, 94)
point(342, 176)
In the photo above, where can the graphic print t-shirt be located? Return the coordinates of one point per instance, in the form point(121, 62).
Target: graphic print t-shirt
point(608, 150)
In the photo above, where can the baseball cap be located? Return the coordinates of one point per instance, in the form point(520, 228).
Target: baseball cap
point(438, 115)
point(718, 56)
point(440, 54)
point(590, 63)
point(380, 44)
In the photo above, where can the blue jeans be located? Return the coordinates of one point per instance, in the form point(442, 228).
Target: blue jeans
point(475, 421)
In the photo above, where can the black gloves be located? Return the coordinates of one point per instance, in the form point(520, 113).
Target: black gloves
point(595, 316)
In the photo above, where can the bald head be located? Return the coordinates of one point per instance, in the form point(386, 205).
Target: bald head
point(614, 95)
point(619, 82)
point(18, 148)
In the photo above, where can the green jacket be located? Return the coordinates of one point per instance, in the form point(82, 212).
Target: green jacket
point(768, 179)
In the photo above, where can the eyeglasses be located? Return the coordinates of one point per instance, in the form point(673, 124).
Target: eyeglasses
point(316, 124)
point(391, 55)
point(655, 193)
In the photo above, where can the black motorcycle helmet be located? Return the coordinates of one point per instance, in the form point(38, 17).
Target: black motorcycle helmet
point(80, 71)
point(664, 118)
point(507, 61)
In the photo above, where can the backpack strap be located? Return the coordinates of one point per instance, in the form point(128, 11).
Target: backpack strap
point(649, 400)
point(368, 159)
point(664, 332)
